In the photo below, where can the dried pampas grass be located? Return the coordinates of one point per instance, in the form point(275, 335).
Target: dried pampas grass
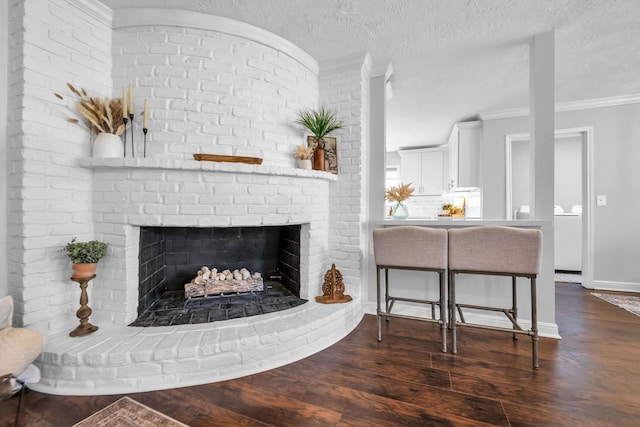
point(399, 193)
point(100, 114)
point(303, 152)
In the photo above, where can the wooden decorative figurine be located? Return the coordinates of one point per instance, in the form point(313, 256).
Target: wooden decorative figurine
point(333, 288)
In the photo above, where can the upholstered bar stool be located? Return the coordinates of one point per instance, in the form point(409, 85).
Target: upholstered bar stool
point(499, 251)
point(411, 248)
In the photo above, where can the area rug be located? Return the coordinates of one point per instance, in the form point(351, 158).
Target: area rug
point(629, 303)
point(126, 412)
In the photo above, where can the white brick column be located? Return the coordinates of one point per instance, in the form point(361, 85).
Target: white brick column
point(344, 88)
point(49, 197)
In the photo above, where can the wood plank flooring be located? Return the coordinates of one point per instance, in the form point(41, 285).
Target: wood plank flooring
point(589, 378)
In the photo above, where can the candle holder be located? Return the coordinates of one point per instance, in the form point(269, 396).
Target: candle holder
point(144, 147)
point(83, 313)
point(133, 153)
point(125, 121)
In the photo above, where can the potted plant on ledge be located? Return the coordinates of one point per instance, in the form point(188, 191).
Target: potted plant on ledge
point(104, 117)
point(304, 155)
point(320, 123)
point(85, 256)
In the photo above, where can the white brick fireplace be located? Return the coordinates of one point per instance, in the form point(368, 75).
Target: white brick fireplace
point(214, 86)
point(130, 193)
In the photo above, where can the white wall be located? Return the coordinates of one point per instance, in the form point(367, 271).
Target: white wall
point(568, 173)
point(211, 92)
point(4, 45)
point(615, 174)
point(520, 174)
point(344, 88)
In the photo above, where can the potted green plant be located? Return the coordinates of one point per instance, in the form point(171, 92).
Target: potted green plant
point(85, 256)
point(447, 209)
point(320, 123)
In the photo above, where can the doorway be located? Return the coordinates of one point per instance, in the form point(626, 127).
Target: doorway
point(573, 228)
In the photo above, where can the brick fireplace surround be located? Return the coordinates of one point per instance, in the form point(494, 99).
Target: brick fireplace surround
point(214, 86)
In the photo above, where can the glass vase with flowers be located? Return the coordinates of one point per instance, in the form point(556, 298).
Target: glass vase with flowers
point(398, 194)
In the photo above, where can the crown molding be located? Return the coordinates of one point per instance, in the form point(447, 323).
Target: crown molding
point(468, 125)
point(95, 9)
point(138, 17)
point(599, 102)
point(566, 106)
point(504, 114)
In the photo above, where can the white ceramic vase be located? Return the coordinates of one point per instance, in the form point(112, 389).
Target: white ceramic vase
point(108, 145)
point(304, 164)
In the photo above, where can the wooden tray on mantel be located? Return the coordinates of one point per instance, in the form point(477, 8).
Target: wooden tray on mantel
point(230, 159)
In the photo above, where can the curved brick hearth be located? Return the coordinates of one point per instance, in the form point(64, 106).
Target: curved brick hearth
point(121, 359)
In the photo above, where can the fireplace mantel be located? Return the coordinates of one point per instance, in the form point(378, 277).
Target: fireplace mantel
point(204, 166)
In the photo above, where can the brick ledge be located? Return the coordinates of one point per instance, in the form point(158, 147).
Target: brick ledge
point(194, 165)
point(118, 360)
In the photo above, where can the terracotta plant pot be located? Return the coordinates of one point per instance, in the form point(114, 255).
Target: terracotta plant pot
point(82, 271)
point(318, 158)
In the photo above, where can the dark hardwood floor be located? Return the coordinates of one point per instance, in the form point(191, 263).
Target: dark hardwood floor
point(589, 378)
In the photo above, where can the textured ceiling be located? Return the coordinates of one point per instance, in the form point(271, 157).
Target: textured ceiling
point(453, 59)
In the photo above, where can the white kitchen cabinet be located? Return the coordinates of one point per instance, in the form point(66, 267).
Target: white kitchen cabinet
point(426, 169)
point(465, 145)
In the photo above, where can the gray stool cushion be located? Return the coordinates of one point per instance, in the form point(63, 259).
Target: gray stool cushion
point(410, 246)
point(496, 249)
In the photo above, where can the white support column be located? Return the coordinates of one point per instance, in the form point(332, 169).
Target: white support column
point(541, 106)
point(541, 157)
point(379, 77)
point(4, 58)
point(378, 139)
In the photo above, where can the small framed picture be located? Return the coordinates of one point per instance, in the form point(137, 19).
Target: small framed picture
point(330, 152)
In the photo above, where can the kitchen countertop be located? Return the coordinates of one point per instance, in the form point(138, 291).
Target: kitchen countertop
point(463, 222)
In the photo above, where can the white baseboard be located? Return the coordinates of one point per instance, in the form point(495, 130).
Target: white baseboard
point(605, 285)
point(545, 329)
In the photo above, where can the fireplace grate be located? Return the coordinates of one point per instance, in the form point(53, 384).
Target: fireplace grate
point(172, 308)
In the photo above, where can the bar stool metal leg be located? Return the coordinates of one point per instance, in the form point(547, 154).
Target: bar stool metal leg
point(443, 311)
point(534, 323)
point(514, 304)
point(452, 319)
point(388, 301)
point(378, 311)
